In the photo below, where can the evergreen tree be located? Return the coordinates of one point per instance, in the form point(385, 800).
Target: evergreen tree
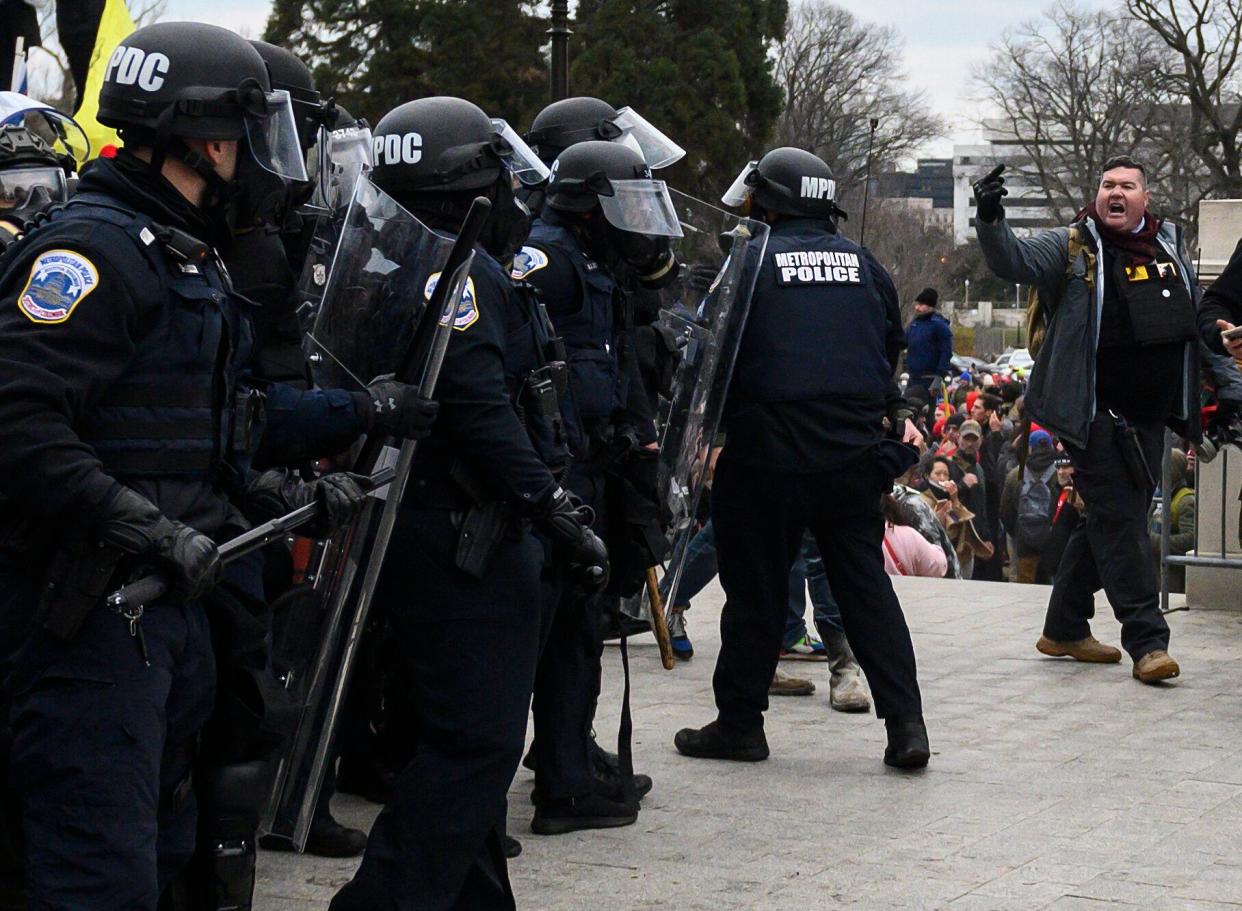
point(700, 70)
point(375, 54)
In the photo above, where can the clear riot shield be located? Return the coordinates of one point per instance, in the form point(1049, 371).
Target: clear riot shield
point(373, 314)
point(711, 322)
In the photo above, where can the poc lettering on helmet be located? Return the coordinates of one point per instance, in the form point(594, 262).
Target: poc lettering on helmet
point(134, 66)
point(398, 148)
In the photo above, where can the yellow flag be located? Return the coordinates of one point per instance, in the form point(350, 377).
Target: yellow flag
point(115, 25)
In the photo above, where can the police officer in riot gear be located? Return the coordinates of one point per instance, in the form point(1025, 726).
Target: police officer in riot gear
point(461, 584)
point(124, 350)
point(40, 148)
point(602, 213)
point(806, 448)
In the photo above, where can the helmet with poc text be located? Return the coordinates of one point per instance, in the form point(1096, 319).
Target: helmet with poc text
point(435, 154)
point(787, 181)
point(183, 80)
point(445, 144)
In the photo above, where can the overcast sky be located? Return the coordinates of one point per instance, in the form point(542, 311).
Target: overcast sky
point(942, 39)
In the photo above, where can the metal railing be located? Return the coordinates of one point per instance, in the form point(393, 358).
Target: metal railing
point(1168, 560)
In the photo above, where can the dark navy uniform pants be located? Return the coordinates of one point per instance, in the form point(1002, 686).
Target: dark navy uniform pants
point(470, 647)
point(568, 682)
point(1110, 548)
point(760, 518)
point(102, 748)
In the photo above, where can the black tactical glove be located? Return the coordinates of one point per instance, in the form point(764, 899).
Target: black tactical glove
point(988, 193)
point(37, 200)
point(397, 408)
point(135, 525)
point(567, 523)
point(277, 492)
point(699, 277)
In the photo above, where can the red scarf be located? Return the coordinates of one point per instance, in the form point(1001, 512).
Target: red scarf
point(1140, 246)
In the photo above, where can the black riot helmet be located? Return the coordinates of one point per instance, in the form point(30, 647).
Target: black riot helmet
point(434, 155)
point(638, 218)
point(40, 147)
point(787, 181)
point(178, 80)
point(570, 121)
point(287, 72)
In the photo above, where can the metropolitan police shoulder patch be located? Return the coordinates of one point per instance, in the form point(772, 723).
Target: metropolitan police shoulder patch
point(59, 280)
point(528, 260)
point(467, 309)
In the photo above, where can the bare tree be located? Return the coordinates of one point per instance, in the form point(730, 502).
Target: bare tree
point(1078, 86)
point(916, 251)
point(1206, 35)
point(836, 73)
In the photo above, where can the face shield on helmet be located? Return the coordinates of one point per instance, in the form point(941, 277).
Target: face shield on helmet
point(656, 148)
point(735, 196)
point(60, 131)
point(19, 185)
point(521, 159)
point(272, 132)
point(335, 163)
point(641, 206)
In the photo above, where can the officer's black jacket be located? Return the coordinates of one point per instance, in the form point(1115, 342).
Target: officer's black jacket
point(1223, 300)
point(813, 377)
point(587, 307)
point(54, 375)
point(477, 424)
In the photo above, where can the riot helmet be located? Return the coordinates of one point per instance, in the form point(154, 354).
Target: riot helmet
point(570, 121)
point(786, 181)
point(434, 155)
point(606, 191)
point(342, 154)
point(188, 80)
point(39, 148)
point(288, 73)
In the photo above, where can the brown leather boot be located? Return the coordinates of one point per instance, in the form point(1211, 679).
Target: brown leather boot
point(1156, 666)
point(784, 685)
point(1089, 649)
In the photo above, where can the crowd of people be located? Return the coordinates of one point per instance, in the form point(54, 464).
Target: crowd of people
point(188, 508)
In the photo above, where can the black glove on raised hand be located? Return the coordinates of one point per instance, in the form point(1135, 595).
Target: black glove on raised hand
point(397, 408)
point(276, 492)
point(700, 276)
point(135, 525)
point(988, 193)
point(567, 524)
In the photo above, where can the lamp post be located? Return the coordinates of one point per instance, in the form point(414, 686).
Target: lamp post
point(560, 49)
point(966, 304)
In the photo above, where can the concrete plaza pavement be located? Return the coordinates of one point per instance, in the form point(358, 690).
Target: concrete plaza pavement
point(1052, 785)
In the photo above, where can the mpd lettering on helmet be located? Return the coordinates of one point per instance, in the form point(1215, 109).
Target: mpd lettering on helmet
point(134, 66)
point(818, 188)
point(398, 148)
point(817, 267)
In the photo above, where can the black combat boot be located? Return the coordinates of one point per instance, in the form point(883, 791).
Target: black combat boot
point(712, 742)
point(907, 742)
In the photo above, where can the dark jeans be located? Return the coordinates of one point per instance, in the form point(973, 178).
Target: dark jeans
point(470, 647)
point(760, 518)
point(1110, 548)
point(101, 753)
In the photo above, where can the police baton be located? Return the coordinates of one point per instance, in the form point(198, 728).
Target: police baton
point(149, 588)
